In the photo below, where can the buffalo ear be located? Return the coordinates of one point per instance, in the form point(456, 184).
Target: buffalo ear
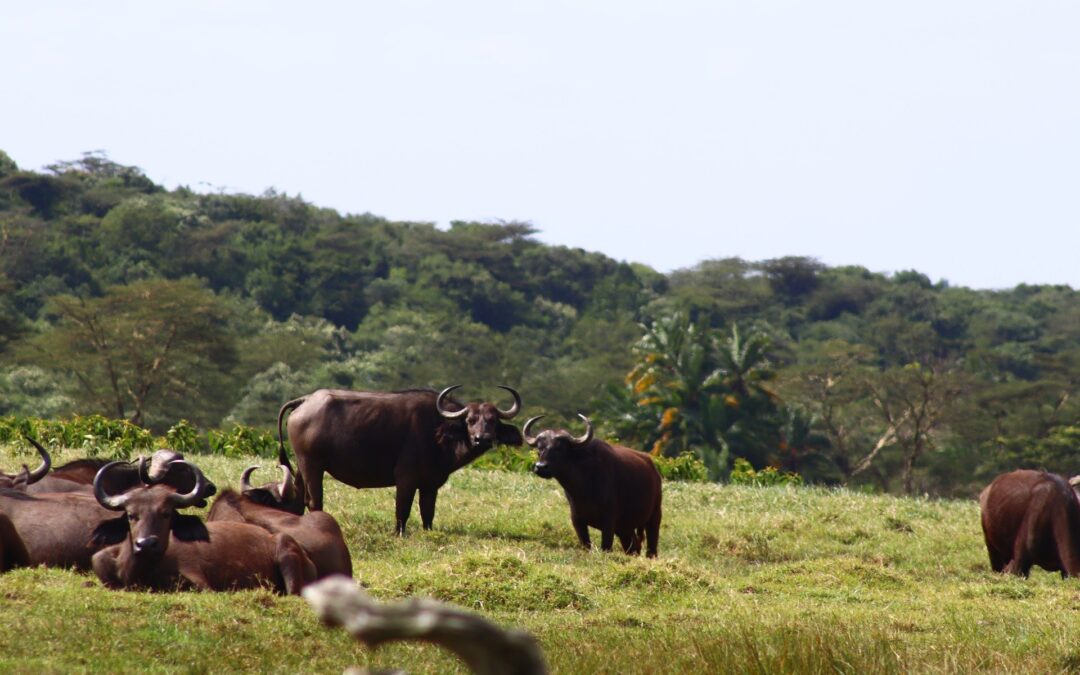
point(109, 532)
point(189, 528)
point(508, 434)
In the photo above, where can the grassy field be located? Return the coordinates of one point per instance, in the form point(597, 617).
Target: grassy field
point(755, 580)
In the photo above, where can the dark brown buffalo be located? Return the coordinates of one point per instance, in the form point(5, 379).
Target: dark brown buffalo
point(60, 530)
point(26, 477)
point(1031, 518)
point(165, 550)
point(317, 532)
point(78, 475)
point(13, 551)
point(610, 487)
point(410, 439)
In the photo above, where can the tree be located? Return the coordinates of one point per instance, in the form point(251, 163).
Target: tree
point(151, 352)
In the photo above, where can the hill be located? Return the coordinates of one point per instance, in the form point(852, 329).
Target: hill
point(760, 580)
point(122, 298)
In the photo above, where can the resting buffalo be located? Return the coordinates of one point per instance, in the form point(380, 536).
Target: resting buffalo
point(13, 551)
point(411, 439)
point(165, 550)
point(78, 475)
point(59, 530)
point(268, 507)
point(26, 477)
point(1031, 518)
point(609, 487)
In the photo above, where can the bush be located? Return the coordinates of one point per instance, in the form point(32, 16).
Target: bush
point(184, 438)
point(242, 441)
point(94, 434)
point(685, 467)
point(744, 474)
point(506, 458)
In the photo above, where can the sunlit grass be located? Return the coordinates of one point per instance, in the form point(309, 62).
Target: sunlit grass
point(759, 580)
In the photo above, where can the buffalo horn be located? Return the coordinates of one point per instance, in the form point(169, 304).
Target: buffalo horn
point(445, 413)
point(111, 502)
point(245, 478)
point(582, 440)
point(181, 501)
point(531, 440)
point(46, 463)
point(144, 471)
point(287, 488)
point(514, 409)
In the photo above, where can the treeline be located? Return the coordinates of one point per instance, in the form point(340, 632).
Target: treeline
point(121, 298)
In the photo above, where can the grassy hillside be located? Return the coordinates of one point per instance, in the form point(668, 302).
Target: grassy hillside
point(748, 580)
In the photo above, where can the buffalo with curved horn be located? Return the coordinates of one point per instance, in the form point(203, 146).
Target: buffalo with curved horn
point(610, 487)
point(270, 506)
point(166, 550)
point(411, 439)
point(26, 477)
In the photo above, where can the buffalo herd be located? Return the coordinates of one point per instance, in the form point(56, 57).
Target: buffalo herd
point(124, 520)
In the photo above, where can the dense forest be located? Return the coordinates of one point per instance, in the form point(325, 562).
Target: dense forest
point(121, 298)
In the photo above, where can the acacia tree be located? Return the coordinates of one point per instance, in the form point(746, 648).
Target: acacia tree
point(141, 349)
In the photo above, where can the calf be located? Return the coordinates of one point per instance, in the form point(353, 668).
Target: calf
point(268, 507)
point(165, 550)
point(1031, 518)
point(609, 487)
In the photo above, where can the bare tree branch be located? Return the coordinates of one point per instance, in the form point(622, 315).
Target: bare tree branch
point(483, 646)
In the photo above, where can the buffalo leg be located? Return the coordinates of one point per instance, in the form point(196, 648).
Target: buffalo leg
point(652, 534)
point(998, 560)
point(312, 474)
point(607, 538)
point(405, 496)
point(582, 530)
point(427, 507)
point(295, 566)
point(104, 566)
point(629, 542)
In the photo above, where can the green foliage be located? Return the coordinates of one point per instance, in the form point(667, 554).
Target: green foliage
point(184, 438)
point(242, 442)
point(685, 467)
point(93, 435)
point(292, 297)
point(506, 458)
point(743, 473)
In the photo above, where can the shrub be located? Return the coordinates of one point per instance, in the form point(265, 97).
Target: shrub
point(744, 474)
point(184, 438)
point(242, 441)
point(685, 467)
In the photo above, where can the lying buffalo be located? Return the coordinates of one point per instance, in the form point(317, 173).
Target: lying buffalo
point(61, 529)
point(13, 551)
point(166, 550)
point(78, 475)
point(269, 508)
point(1031, 518)
point(609, 487)
point(411, 439)
point(26, 477)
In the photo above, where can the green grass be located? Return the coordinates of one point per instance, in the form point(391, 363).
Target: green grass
point(749, 580)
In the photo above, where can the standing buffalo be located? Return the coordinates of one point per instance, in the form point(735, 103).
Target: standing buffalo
point(268, 507)
point(166, 550)
point(1031, 518)
point(411, 439)
point(609, 487)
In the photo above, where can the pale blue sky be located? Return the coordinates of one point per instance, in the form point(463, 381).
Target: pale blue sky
point(939, 136)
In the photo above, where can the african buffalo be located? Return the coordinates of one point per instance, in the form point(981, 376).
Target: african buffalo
point(26, 477)
point(59, 530)
point(78, 475)
point(1031, 518)
point(411, 439)
point(166, 550)
point(13, 551)
point(267, 506)
point(610, 487)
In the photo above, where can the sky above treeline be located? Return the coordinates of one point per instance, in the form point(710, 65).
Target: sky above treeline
point(940, 137)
